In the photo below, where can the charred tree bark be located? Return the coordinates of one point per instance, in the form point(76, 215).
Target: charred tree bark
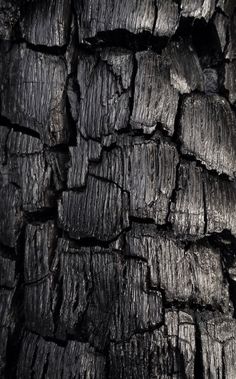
point(117, 189)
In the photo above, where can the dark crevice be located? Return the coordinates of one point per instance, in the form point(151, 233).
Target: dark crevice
point(45, 366)
point(18, 128)
point(198, 365)
point(49, 50)
point(89, 241)
point(42, 215)
point(72, 125)
point(122, 38)
point(14, 340)
point(132, 85)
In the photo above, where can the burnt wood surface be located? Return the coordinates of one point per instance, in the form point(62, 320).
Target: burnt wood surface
point(118, 189)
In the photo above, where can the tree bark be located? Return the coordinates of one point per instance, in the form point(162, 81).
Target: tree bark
point(117, 190)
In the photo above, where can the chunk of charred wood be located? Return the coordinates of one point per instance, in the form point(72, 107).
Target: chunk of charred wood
point(230, 81)
point(9, 15)
point(11, 214)
point(106, 275)
point(104, 92)
point(48, 358)
point(218, 341)
point(221, 23)
point(74, 283)
point(33, 93)
point(4, 132)
point(81, 155)
point(97, 16)
point(146, 169)
point(73, 95)
point(33, 176)
point(220, 204)
point(80, 212)
point(140, 307)
point(7, 323)
point(211, 81)
point(40, 243)
point(4, 336)
point(187, 209)
point(186, 275)
point(185, 69)
point(58, 162)
point(227, 6)
point(155, 99)
point(149, 177)
point(19, 143)
point(6, 310)
point(208, 132)
point(29, 170)
point(167, 18)
point(46, 23)
point(97, 293)
point(231, 49)
point(38, 308)
point(198, 8)
point(155, 354)
point(7, 271)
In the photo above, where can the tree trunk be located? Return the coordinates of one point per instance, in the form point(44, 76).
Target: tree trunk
point(118, 195)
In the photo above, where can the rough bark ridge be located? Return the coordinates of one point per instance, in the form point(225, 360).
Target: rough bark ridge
point(117, 189)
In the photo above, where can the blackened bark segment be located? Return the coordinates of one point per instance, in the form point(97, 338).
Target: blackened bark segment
point(167, 18)
point(81, 155)
point(230, 81)
point(208, 132)
point(104, 94)
point(4, 335)
point(173, 345)
point(141, 307)
point(220, 205)
point(218, 346)
point(38, 308)
point(185, 70)
point(19, 143)
point(186, 275)
point(26, 167)
point(4, 132)
point(198, 8)
point(47, 22)
point(76, 359)
point(33, 93)
point(149, 177)
point(155, 99)
point(146, 170)
point(11, 214)
point(231, 49)
point(75, 285)
point(9, 15)
point(6, 325)
point(221, 23)
point(80, 212)
point(187, 211)
point(7, 271)
point(33, 176)
point(227, 6)
point(97, 16)
point(40, 243)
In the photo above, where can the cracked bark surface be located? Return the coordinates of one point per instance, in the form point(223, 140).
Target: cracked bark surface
point(117, 189)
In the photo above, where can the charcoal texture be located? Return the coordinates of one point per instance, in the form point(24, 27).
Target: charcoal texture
point(118, 189)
